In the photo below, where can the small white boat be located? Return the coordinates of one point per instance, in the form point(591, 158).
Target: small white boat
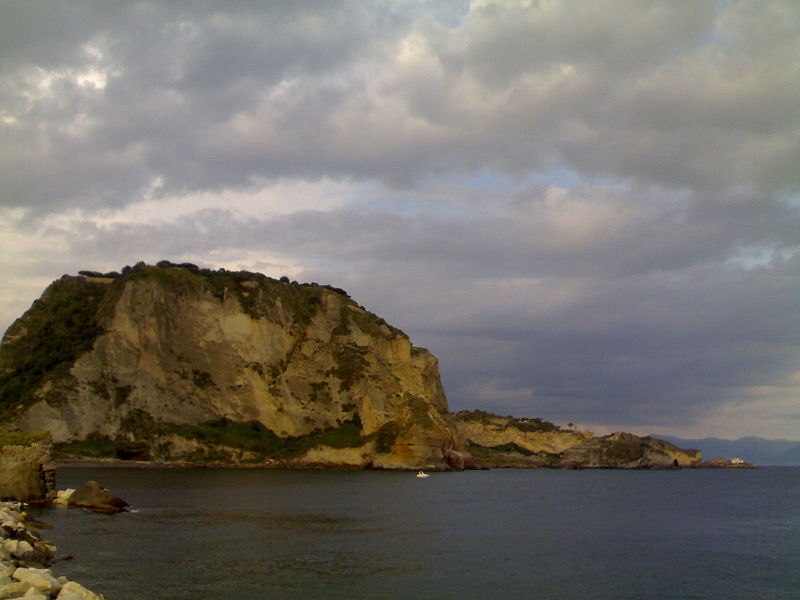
point(422, 474)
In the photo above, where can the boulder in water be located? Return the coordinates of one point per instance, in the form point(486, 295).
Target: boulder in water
point(63, 496)
point(92, 496)
point(75, 591)
point(41, 579)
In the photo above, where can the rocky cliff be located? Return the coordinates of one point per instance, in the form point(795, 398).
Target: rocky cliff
point(625, 450)
point(173, 362)
point(497, 441)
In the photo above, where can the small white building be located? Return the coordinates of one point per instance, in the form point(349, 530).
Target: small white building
point(736, 461)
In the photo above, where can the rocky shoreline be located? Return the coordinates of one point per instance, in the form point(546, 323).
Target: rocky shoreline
point(501, 461)
point(25, 559)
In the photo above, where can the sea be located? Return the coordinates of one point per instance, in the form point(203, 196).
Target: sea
point(530, 534)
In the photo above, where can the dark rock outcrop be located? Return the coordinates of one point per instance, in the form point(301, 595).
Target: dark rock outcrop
point(92, 496)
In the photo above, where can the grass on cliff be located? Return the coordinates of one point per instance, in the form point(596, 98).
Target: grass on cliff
point(254, 437)
point(512, 447)
point(57, 329)
point(14, 438)
point(97, 446)
point(527, 424)
point(626, 449)
point(386, 437)
point(257, 294)
point(351, 365)
point(367, 322)
point(248, 436)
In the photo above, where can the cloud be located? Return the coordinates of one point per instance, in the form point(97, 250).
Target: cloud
point(597, 304)
point(207, 99)
point(589, 211)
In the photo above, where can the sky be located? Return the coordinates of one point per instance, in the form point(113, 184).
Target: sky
point(588, 211)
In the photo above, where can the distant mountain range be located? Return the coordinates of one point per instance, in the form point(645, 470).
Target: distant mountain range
point(755, 450)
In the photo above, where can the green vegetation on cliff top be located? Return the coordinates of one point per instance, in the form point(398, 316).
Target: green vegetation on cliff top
point(528, 424)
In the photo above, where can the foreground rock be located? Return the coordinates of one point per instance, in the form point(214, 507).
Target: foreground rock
point(24, 562)
point(27, 472)
point(92, 496)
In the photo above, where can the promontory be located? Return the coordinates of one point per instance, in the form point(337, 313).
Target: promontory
point(177, 363)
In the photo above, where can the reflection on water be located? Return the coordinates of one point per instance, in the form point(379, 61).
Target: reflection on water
point(510, 534)
point(316, 523)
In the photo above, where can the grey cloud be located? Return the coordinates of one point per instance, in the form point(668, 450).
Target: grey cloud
point(174, 74)
point(523, 323)
point(211, 97)
point(614, 233)
point(506, 39)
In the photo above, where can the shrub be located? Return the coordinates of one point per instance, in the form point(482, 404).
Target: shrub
point(202, 379)
point(254, 437)
point(350, 365)
point(512, 447)
point(386, 437)
point(98, 446)
point(15, 438)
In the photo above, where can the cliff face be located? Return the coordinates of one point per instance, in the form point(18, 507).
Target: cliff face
point(181, 364)
point(625, 450)
point(532, 435)
point(172, 362)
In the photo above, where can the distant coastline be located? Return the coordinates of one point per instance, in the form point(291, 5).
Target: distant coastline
point(761, 451)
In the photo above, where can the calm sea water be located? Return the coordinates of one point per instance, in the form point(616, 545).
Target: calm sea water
point(537, 534)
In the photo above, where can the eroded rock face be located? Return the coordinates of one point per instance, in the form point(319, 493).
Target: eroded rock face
point(533, 435)
point(27, 472)
point(497, 441)
point(176, 363)
point(625, 450)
